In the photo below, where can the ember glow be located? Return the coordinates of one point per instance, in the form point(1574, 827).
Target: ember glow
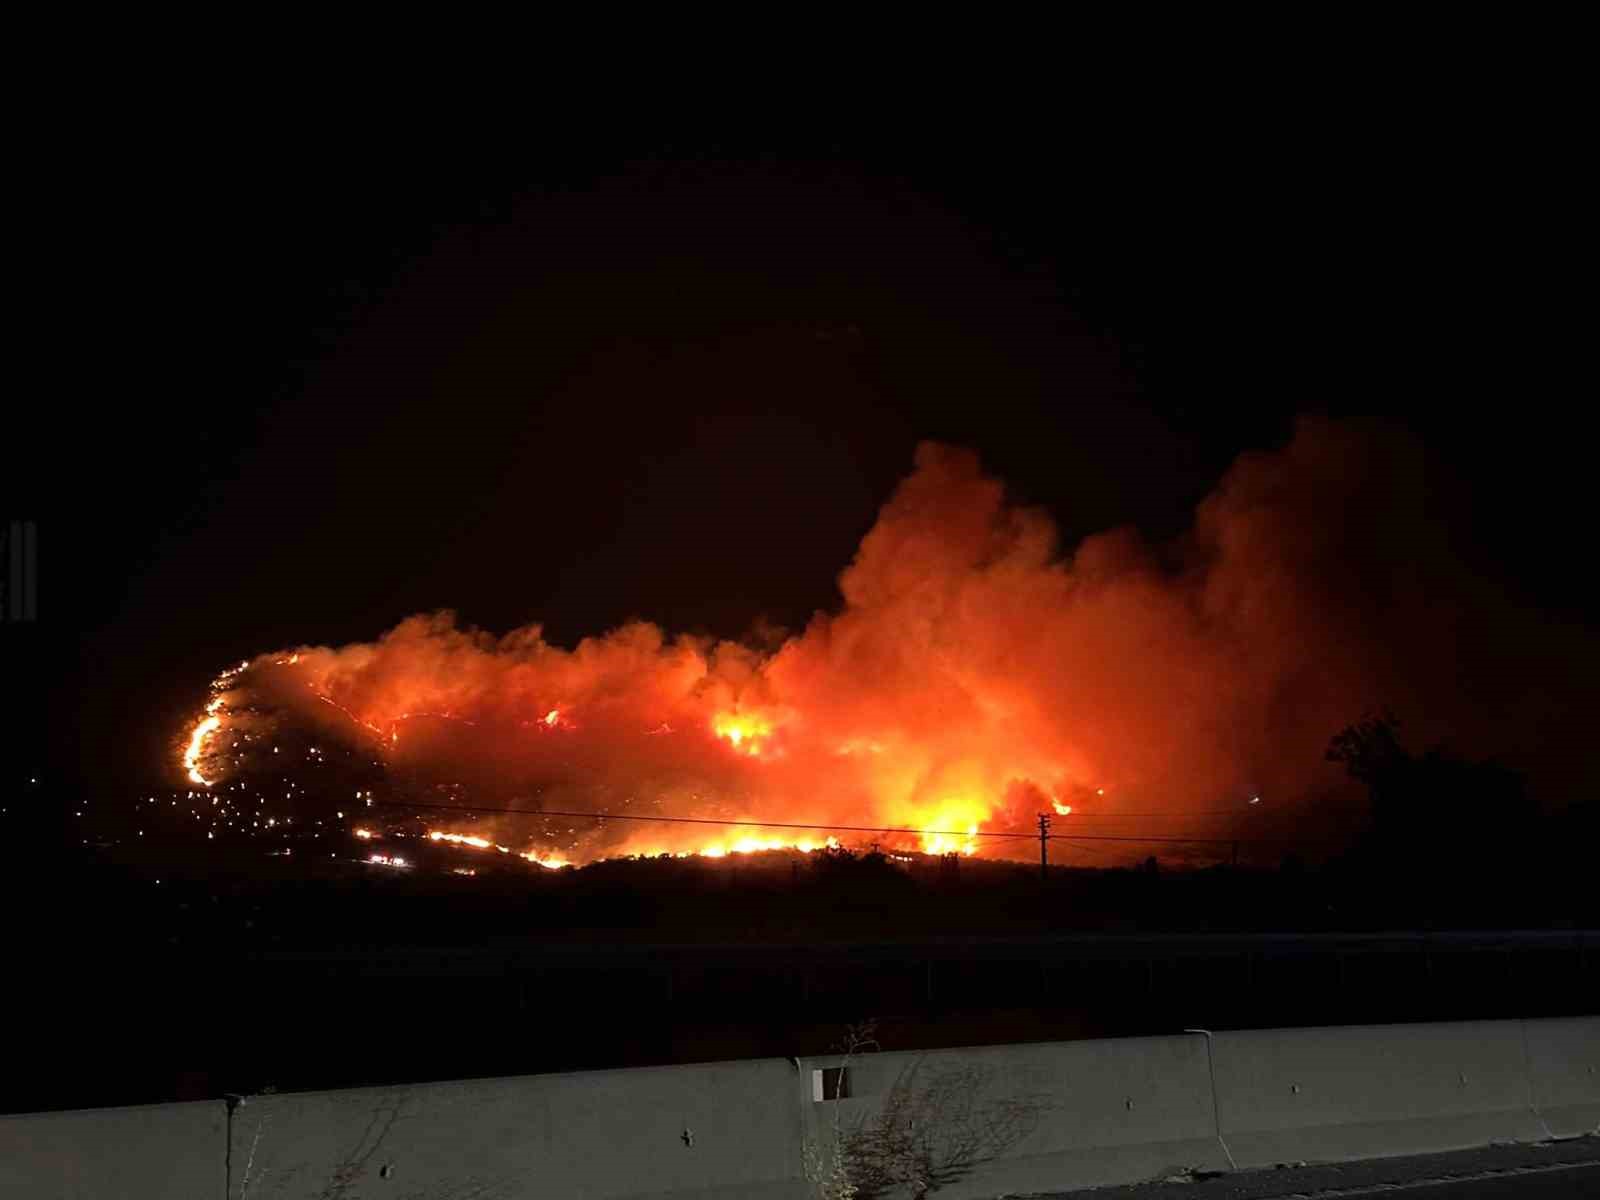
point(973, 677)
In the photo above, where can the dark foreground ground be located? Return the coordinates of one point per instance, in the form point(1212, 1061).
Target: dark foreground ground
point(1563, 1170)
point(152, 980)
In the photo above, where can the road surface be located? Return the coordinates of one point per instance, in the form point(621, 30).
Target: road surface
point(1561, 1183)
point(1566, 1170)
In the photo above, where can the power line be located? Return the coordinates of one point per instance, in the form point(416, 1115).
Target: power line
point(529, 812)
point(961, 833)
point(1196, 812)
point(1188, 841)
point(1100, 850)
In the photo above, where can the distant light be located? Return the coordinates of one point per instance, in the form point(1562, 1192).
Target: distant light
point(1255, 799)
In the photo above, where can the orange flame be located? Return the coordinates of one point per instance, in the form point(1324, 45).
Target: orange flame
point(197, 741)
point(756, 845)
point(548, 861)
point(553, 862)
point(972, 678)
point(461, 839)
point(743, 731)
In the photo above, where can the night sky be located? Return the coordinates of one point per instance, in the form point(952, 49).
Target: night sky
point(342, 377)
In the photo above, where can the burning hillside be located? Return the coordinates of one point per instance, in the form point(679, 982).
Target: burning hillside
point(973, 677)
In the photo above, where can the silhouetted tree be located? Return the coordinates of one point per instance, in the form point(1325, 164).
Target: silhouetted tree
point(1435, 817)
point(1370, 749)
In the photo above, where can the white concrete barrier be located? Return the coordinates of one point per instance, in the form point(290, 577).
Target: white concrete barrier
point(1038, 1117)
point(148, 1152)
point(977, 1122)
point(713, 1130)
point(1564, 1074)
point(1310, 1095)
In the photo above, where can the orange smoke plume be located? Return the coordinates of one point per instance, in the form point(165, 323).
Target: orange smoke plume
point(974, 675)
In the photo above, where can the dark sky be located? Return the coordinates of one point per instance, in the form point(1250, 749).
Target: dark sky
point(351, 376)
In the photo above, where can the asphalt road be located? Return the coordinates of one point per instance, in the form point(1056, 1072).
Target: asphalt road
point(1547, 1171)
point(1562, 1183)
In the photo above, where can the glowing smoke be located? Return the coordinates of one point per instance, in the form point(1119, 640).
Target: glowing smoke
point(974, 676)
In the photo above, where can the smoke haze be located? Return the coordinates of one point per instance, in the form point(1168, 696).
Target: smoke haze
point(978, 672)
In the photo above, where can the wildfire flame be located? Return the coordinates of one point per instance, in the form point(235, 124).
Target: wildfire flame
point(755, 845)
point(947, 843)
point(744, 732)
point(461, 839)
point(712, 849)
point(974, 677)
point(206, 726)
point(197, 742)
point(950, 826)
point(550, 862)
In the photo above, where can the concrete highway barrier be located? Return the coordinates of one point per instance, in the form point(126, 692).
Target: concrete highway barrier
point(147, 1152)
point(976, 1122)
point(1564, 1074)
point(1322, 1095)
point(1001, 1119)
point(714, 1130)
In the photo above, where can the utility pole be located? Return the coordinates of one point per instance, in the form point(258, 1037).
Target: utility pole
point(1044, 844)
